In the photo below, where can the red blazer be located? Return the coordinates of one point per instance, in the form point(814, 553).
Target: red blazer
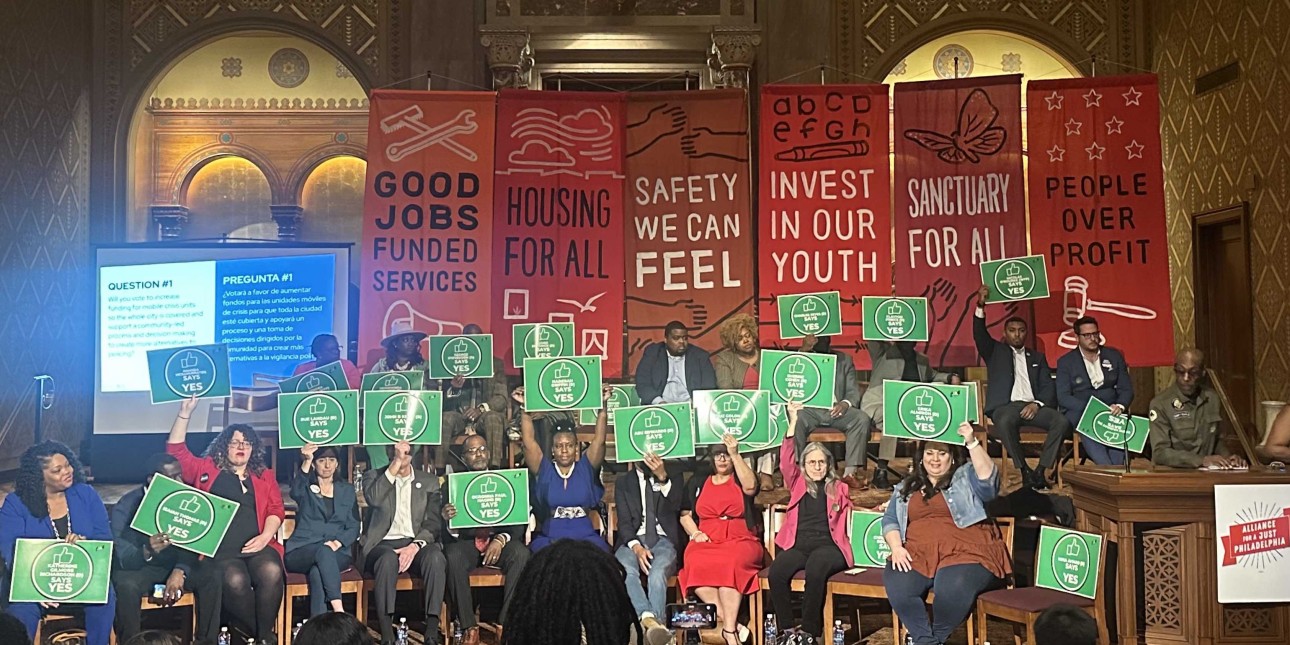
point(838, 506)
point(200, 472)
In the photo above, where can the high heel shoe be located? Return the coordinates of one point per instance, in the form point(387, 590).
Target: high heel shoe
point(726, 638)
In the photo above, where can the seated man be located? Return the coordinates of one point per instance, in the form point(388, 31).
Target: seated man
point(501, 547)
point(1020, 393)
point(477, 406)
point(326, 350)
point(845, 414)
point(1093, 370)
point(1276, 446)
point(143, 561)
point(670, 371)
point(894, 360)
point(402, 534)
point(1184, 420)
point(647, 503)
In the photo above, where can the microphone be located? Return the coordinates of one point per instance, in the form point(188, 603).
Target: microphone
point(45, 384)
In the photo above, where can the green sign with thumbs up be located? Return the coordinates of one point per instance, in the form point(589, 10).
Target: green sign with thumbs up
point(810, 314)
point(894, 318)
point(665, 430)
point(325, 378)
point(412, 416)
point(563, 383)
point(177, 373)
point(489, 498)
point(329, 418)
point(55, 571)
point(1068, 560)
point(1024, 278)
point(798, 376)
point(742, 413)
point(926, 411)
point(469, 355)
point(194, 520)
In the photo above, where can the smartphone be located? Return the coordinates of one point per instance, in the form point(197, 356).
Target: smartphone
point(691, 615)
point(158, 592)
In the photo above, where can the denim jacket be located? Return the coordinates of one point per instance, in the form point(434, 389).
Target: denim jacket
point(966, 496)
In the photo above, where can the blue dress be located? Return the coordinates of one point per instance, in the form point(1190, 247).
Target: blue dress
point(581, 490)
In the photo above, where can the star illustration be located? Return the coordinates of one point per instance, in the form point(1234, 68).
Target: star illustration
point(1135, 149)
point(1072, 127)
point(1094, 151)
point(1131, 97)
point(1092, 99)
point(1055, 153)
point(1113, 126)
point(1054, 101)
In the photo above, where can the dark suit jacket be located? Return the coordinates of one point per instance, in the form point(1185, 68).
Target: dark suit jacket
point(427, 505)
point(1074, 389)
point(999, 370)
point(492, 391)
point(651, 371)
point(845, 385)
point(630, 514)
point(312, 525)
point(516, 531)
point(128, 544)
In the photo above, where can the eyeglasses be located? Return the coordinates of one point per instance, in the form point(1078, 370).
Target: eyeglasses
point(476, 451)
point(239, 444)
point(720, 455)
point(1193, 373)
point(1093, 334)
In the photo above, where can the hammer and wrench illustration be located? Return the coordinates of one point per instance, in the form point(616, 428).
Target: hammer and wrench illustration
point(425, 136)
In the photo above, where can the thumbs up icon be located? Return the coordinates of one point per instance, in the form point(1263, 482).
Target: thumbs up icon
point(731, 405)
point(189, 360)
point(924, 399)
point(895, 309)
point(809, 305)
point(797, 366)
point(401, 405)
point(1073, 548)
point(319, 406)
point(562, 371)
point(459, 346)
point(653, 419)
point(489, 486)
point(311, 383)
point(388, 382)
point(63, 556)
point(1012, 270)
point(190, 504)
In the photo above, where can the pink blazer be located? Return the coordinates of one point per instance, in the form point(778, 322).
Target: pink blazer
point(839, 505)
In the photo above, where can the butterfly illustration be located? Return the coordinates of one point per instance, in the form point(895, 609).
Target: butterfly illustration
point(976, 135)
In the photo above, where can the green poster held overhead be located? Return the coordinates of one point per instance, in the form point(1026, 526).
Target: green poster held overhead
point(468, 355)
point(810, 314)
point(324, 418)
point(1024, 278)
point(798, 376)
point(1115, 430)
point(778, 430)
point(404, 381)
point(193, 519)
point(1068, 560)
point(868, 547)
point(621, 395)
point(894, 318)
point(177, 373)
point(665, 430)
point(564, 383)
point(489, 498)
point(926, 411)
point(412, 416)
point(326, 378)
point(742, 413)
point(61, 572)
point(541, 340)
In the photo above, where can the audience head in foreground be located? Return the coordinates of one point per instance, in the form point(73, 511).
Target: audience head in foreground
point(154, 637)
point(586, 585)
point(1065, 625)
point(333, 628)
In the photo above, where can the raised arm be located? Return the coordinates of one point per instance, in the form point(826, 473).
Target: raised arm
point(744, 472)
point(533, 454)
point(788, 449)
point(981, 462)
point(596, 451)
point(179, 429)
point(980, 334)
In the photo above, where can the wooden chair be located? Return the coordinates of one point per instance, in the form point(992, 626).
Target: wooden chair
point(481, 577)
point(1022, 605)
point(772, 518)
point(186, 601)
point(297, 586)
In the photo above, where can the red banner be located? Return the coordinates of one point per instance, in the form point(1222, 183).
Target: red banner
point(960, 200)
point(1259, 536)
point(427, 232)
point(689, 238)
point(1097, 211)
point(558, 218)
point(825, 184)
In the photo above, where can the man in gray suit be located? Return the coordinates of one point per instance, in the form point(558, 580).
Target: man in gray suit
point(845, 414)
point(895, 361)
point(403, 535)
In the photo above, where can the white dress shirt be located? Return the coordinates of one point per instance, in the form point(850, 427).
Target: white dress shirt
point(1021, 390)
point(1094, 368)
point(401, 527)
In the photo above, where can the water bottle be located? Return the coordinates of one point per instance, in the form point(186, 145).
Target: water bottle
point(224, 638)
point(772, 631)
point(401, 634)
point(458, 635)
point(839, 634)
point(358, 477)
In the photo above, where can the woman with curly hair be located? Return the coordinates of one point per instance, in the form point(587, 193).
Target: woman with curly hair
point(249, 556)
point(52, 501)
point(737, 367)
point(587, 586)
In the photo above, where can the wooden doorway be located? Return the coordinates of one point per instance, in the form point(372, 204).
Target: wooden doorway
point(1224, 302)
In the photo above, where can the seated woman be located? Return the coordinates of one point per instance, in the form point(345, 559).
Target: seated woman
point(250, 555)
point(724, 554)
point(326, 527)
point(568, 484)
point(813, 536)
point(940, 539)
point(51, 501)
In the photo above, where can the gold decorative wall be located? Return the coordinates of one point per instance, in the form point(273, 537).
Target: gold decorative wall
point(1228, 146)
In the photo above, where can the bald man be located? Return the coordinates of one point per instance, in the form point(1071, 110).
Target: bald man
point(1184, 420)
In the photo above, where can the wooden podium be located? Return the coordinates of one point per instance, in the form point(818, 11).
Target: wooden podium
point(1167, 515)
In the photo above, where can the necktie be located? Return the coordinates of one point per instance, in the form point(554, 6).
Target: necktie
point(481, 539)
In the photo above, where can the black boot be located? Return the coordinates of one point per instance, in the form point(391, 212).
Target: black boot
point(881, 477)
point(1034, 479)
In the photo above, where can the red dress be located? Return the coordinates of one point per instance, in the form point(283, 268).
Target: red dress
point(732, 555)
